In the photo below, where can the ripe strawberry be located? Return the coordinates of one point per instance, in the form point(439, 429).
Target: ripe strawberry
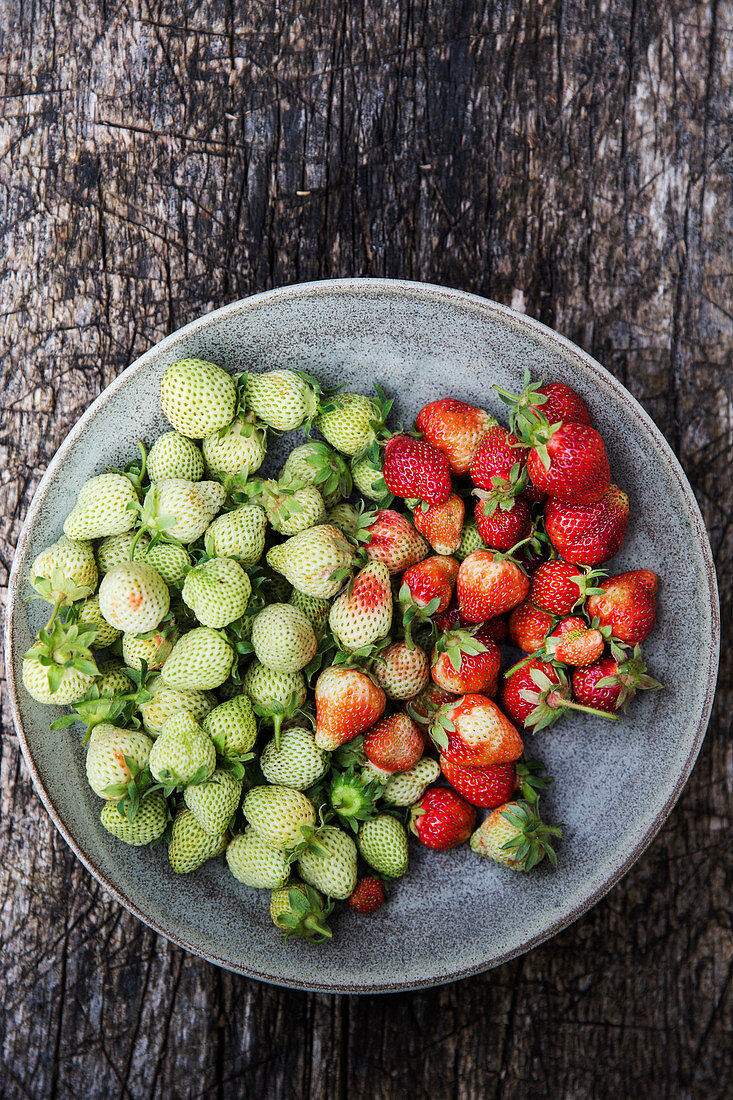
point(569, 462)
point(488, 585)
point(441, 524)
point(515, 836)
point(133, 597)
point(317, 464)
point(363, 613)
point(450, 618)
point(627, 605)
point(147, 826)
point(528, 626)
point(426, 588)
point(392, 539)
point(217, 591)
point(402, 671)
point(214, 802)
point(368, 895)
point(413, 468)
point(502, 524)
point(588, 534)
point(330, 864)
point(394, 744)
point(424, 707)
point(535, 694)
point(299, 910)
point(382, 842)
point(645, 577)
point(473, 732)
point(255, 863)
point(610, 685)
point(279, 815)
point(497, 628)
point(231, 725)
point(114, 757)
point(283, 399)
point(455, 429)
point(442, 819)
point(190, 846)
point(201, 660)
point(103, 507)
point(406, 788)
point(316, 562)
point(466, 661)
point(562, 403)
point(347, 703)
point(297, 762)
point(238, 534)
point(559, 587)
point(181, 509)
point(174, 455)
point(572, 642)
point(183, 752)
point(488, 787)
point(282, 638)
point(350, 422)
point(499, 460)
point(197, 397)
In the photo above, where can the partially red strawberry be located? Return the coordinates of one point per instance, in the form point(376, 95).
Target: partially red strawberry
point(559, 587)
point(472, 731)
point(573, 642)
point(588, 534)
point(562, 403)
point(441, 524)
point(502, 523)
point(414, 468)
point(402, 670)
point(424, 707)
point(489, 584)
point(392, 539)
point(487, 787)
point(394, 744)
point(528, 626)
point(569, 462)
point(347, 703)
point(464, 661)
point(429, 580)
point(368, 895)
point(455, 429)
point(500, 458)
point(536, 693)
point(610, 685)
point(442, 819)
point(626, 605)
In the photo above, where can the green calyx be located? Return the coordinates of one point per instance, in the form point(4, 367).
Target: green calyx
point(632, 676)
point(352, 799)
point(64, 644)
point(136, 470)
point(530, 783)
point(457, 644)
point(277, 713)
point(327, 471)
point(306, 916)
point(551, 699)
point(532, 842)
point(58, 590)
point(503, 493)
point(526, 420)
point(122, 710)
point(414, 615)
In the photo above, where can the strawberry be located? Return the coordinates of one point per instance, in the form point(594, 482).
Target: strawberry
point(183, 752)
point(406, 788)
point(562, 403)
point(416, 469)
point(255, 863)
point(588, 534)
point(559, 587)
point(441, 524)
point(502, 524)
point(366, 472)
point(394, 744)
point(455, 429)
point(59, 667)
point(347, 703)
point(430, 580)
point(315, 609)
point(488, 787)
point(402, 671)
point(147, 826)
point(470, 540)
point(472, 731)
point(645, 577)
point(279, 815)
point(528, 626)
point(237, 450)
point(350, 422)
point(153, 647)
point(344, 516)
point(197, 397)
point(105, 634)
point(201, 660)
point(424, 707)
point(569, 462)
point(67, 564)
point(317, 464)
point(238, 534)
point(190, 846)
point(382, 842)
point(171, 560)
point(297, 762)
point(499, 460)
point(217, 591)
point(165, 701)
point(363, 613)
point(214, 802)
point(231, 725)
point(284, 399)
point(515, 836)
point(298, 910)
point(274, 694)
point(133, 597)
point(489, 584)
point(572, 642)
point(103, 507)
point(330, 864)
point(180, 509)
point(442, 819)
point(610, 685)
point(536, 693)
point(627, 605)
point(392, 539)
point(283, 638)
point(368, 895)
point(174, 455)
point(353, 795)
point(316, 562)
point(290, 509)
point(466, 661)
point(114, 757)
point(450, 618)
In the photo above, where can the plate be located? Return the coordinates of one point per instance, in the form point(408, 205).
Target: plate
point(454, 914)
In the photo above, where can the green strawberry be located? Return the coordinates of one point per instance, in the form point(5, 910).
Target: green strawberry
point(278, 814)
point(90, 612)
point(383, 844)
point(281, 398)
point(232, 726)
point(217, 591)
point(214, 802)
point(133, 597)
point(515, 836)
point(283, 638)
point(74, 560)
point(298, 910)
point(316, 562)
point(104, 506)
point(110, 755)
point(298, 762)
point(290, 510)
point(238, 534)
point(116, 549)
point(363, 613)
point(349, 422)
point(181, 509)
point(369, 480)
point(197, 397)
point(402, 671)
point(112, 680)
point(407, 788)
point(344, 516)
point(174, 455)
point(331, 865)
point(201, 660)
point(166, 701)
point(274, 695)
point(183, 753)
point(154, 648)
point(317, 464)
point(470, 540)
point(239, 448)
point(171, 560)
point(147, 826)
point(315, 610)
point(190, 846)
point(353, 797)
point(256, 863)
point(59, 667)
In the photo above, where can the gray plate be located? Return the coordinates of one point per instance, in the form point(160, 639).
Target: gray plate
point(454, 914)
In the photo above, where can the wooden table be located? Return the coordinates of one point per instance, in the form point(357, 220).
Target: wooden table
point(569, 157)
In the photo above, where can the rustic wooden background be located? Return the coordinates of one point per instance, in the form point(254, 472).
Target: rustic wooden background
point(569, 157)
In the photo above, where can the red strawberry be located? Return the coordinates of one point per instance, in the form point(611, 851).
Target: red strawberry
point(627, 606)
point(429, 580)
point(455, 429)
point(569, 462)
point(464, 661)
point(394, 744)
point(497, 628)
point(442, 819)
point(414, 468)
point(441, 524)
point(347, 703)
point(473, 732)
point(573, 642)
point(645, 577)
point(559, 587)
point(611, 685)
point(488, 585)
point(450, 618)
point(487, 787)
point(535, 694)
point(502, 524)
point(588, 534)
point(390, 538)
point(528, 627)
point(368, 896)
point(562, 404)
point(496, 457)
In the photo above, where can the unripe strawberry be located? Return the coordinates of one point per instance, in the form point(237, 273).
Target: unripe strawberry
point(369, 479)
point(402, 671)
point(90, 612)
point(232, 726)
point(316, 561)
point(344, 516)
point(201, 660)
point(109, 750)
point(190, 846)
point(73, 558)
point(174, 455)
point(167, 701)
point(297, 762)
point(470, 540)
point(183, 509)
point(315, 610)
point(298, 910)
point(368, 895)
point(394, 744)
point(331, 866)
point(104, 506)
point(133, 597)
point(347, 421)
point(392, 539)
point(147, 826)
point(214, 802)
point(153, 648)
point(237, 449)
point(514, 836)
point(197, 397)
point(317, 464)
point(347, 703)
point(217, 591)
point(363, 613)
point(183, 752)
point(281, 398)
point(293, 509)
point(282, 638)
point(169, 559)
point(279, 814)
point(406, 788)
point(238, 534)
point(257, 864)
point(382, 842)
point(112, 680)
point(72, 687)
point(264, 686)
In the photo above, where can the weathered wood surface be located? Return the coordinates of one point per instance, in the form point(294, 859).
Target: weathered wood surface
point(570, 157)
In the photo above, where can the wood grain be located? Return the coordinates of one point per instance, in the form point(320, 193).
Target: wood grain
point(569, 157)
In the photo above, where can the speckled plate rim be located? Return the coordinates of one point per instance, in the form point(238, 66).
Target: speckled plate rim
point(401, 289)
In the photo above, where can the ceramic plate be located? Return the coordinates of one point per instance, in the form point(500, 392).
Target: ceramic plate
point(454, 914)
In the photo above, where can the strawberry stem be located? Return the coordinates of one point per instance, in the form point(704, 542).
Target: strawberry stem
point(589, 710)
